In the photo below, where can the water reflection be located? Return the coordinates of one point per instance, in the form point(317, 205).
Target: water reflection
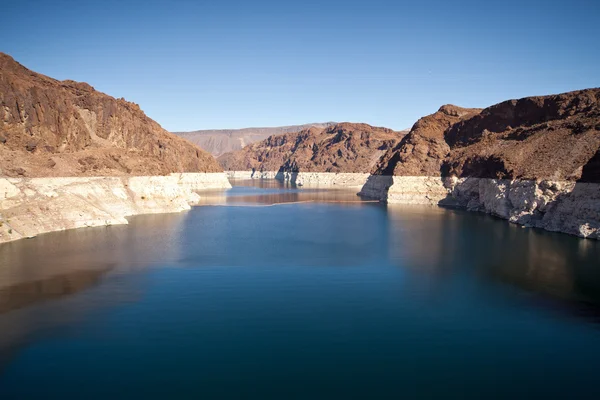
point(244, 294)
point(440, 242)
point(147, 239)
point(29, 293)
point(269, 192)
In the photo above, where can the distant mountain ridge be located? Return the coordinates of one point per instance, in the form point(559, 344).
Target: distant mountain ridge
point(220, 141)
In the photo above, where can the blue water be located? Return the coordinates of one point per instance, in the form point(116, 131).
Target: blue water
point(319, 297)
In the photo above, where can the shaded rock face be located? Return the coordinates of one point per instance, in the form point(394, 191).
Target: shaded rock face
point(549, 137)
point(220, 141)
point(591, 171)
point(344, 147)
point(53, 128)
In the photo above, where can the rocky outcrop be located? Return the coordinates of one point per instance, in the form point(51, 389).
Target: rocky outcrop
point(535, 138)
point(66, 128)
point(340, 155)
point(344, 147)
point(30, 206)
point(423, 150)
point(221, 141)
point(533, 161)
point(560, 206)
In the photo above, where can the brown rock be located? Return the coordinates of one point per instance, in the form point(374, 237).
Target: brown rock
point(546, 137)
point(31, 146)
point(344, 147)
point(422, 151)
point(74, 122)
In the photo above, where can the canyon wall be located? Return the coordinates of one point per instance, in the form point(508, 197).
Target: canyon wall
point(340, 155)
point(65, 128)
point(71, 157)
point(533, 161)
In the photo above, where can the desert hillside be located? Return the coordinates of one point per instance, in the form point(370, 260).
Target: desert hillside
point(344, 147)
point(66, 128)
point(544, 137)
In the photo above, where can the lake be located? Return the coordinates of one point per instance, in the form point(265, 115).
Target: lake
point(274, 292)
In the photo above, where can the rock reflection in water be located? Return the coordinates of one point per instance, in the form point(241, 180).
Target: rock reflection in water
point(147, 239)
point(440, 242)
point(36, 272)
point(252, 195)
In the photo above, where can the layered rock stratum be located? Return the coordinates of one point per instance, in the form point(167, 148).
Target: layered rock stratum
point(71, 156)
point(534, 161)
point(220, 141)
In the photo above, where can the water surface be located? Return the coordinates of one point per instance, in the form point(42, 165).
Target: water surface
point(314, 294)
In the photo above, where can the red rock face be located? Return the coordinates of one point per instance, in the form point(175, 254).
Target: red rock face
point(344, 147)
point(548, 137)
point(423, 149)
point(66, 128)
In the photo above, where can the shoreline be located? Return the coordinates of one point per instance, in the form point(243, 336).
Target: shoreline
point(554, 205)
point(31, 206)
point(558, 206)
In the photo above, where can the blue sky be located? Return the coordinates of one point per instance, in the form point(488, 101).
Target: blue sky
point(230, 64)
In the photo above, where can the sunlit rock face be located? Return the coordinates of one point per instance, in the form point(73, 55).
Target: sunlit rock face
point(30, 206)
point(66, 128)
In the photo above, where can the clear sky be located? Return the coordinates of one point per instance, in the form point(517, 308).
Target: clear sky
point(230, 64)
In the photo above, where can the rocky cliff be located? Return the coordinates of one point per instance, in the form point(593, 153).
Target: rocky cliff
point(66, 128)
point(341, 148)
point(549, 137)
point(422, 151)
point(220, 141)
point(72, 157)
point(534, 161)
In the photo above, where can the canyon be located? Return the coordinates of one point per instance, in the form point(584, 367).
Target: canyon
point(71, 156)
point(534, 161)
